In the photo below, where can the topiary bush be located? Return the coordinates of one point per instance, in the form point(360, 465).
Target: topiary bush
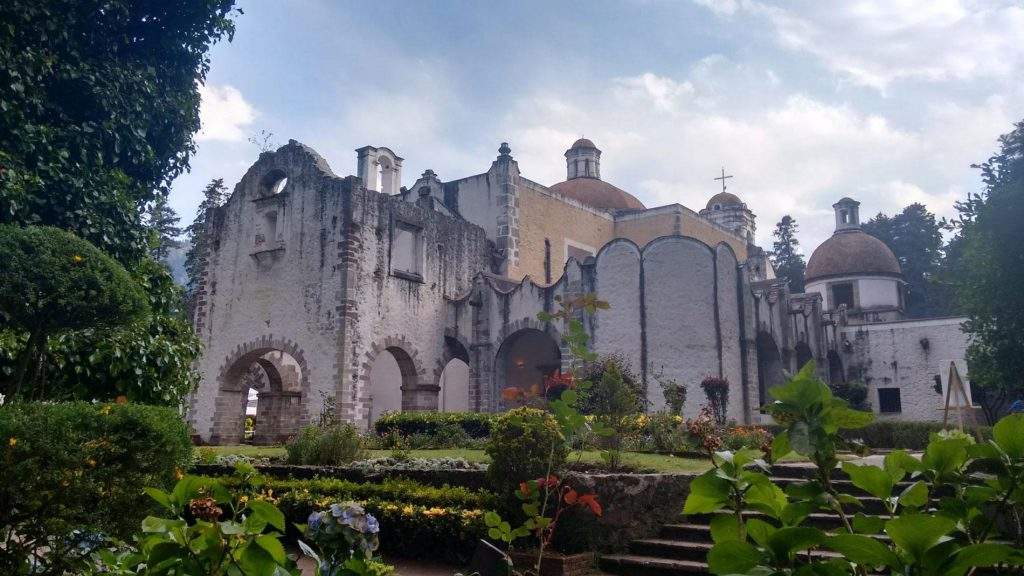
point(326, 445)
point(54, 281)
point(524, 445)
point(78, 465)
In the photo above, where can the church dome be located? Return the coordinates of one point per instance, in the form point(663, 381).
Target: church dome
point(852, 252)
point(582, 143)
point(598, 194)
point(723, 199)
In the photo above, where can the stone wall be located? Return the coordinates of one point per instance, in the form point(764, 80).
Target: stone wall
point(906, 355)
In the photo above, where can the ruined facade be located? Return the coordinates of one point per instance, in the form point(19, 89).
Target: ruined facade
point(357, 295)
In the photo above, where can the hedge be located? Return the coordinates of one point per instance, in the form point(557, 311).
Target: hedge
point(77, 465)
point(474, 424)
point(416, 520)
point(894, 434)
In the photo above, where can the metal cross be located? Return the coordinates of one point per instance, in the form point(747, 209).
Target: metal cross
point(722, 178)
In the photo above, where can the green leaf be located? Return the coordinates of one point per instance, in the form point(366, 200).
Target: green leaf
point(863, 550)
point(979, 555)
point(800, 438)
point(162, 498)
point(268, 512)
point(767, 498)
point(708, 493)
point(491, 519)
point(152, 524)
point(848, 418)
point(255, 561)
point(870, 479)
point(732, 557)
point(901, 460)
point(1008, 433)
point(863, 524)
point(780, 446)
point(760, 531)
point(785, 541)
point(724, 527)
point(273, 547)
point(916, 533)
point(915, 495)
point(945, 456)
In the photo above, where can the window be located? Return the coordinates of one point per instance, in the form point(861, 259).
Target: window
point(842, 294)
point(266, 235)
point(889, 401)
point(407, 251)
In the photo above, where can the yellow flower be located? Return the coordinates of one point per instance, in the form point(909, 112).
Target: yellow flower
point(178, 474)
point(408, 511)
point(76, 258)
point(105, 410)
point(12, 441)
point(243, 499)
point(91, 463)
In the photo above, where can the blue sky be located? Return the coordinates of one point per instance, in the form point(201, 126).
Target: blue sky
point(887, 101)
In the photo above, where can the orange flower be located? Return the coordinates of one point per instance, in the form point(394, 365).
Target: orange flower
point(590, 501)
point(12, 441)
point(511, 394)
point(122, 399)
point(571, 496)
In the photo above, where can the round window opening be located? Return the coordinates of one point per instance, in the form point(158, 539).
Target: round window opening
point(274, 182)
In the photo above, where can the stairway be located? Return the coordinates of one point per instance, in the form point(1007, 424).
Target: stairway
point(681, 548)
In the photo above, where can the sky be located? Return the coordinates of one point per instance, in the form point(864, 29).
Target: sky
point(803, 102)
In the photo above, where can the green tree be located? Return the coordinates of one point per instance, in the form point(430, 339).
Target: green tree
point(213, 196)
point(989, 238)
point(99, 102)
point(53, 282)
point(786, 257)
point(163, 222)
point(915, 237)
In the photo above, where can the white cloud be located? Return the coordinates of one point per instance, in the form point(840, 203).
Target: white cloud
point(224, 114)
point(877, 42)
point(791, 153)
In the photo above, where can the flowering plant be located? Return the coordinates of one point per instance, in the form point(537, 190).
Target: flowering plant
point(346, 537)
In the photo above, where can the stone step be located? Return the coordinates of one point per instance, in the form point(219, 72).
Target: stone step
point(636, 565)
point(671, 548)
point(691, 532)
point(818, 519)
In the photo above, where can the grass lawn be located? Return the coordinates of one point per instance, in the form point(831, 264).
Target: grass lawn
point(659, 462)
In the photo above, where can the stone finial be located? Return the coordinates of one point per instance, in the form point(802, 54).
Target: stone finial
point(504, 151)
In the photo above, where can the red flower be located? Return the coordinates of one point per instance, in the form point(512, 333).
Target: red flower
point(571, 496)
point(590, 501)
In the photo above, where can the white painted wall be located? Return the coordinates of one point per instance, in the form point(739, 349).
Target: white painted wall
point(455, 387)
point(385, 386)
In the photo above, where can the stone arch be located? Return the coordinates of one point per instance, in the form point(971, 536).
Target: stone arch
point(803, 355)
point(769, 365)
point(529, 351)
point(282, 407)
point(453, 374)
point(399, 372)
point(273, 182)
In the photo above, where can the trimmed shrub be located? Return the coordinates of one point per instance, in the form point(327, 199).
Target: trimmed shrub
point(326, 445)
point(475, 424)
point(83, 466)
point(893, 434)
point(525, 442)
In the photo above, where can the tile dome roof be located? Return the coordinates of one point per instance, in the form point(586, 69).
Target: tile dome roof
point(582, 143)
point(724, 199)
point(852, 252)
point(598, 194)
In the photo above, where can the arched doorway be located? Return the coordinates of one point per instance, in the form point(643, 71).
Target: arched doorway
point(524, 359)
point(391, 374)
point(769, 366)
point(836, 373)
point(803, 355)
point(454, 379)
point(260, 398)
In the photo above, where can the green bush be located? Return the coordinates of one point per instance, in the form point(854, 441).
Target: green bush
point(893, 434)
point(475, 424)
point(331, 445)
point(524, 445)
point(416, 520)
point(83, 466)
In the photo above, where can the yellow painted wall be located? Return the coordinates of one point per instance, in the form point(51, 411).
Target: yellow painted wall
point(542, 216)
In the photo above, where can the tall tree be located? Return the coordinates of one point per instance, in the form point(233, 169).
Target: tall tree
point(786, 257)
point(163, 222)
point(213, 196)
point(990, 236)
point(100, 102)
point(915, 237)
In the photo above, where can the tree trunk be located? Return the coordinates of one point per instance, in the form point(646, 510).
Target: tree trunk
point(30, 351)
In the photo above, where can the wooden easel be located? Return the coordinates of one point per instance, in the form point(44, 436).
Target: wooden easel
point(955, 385)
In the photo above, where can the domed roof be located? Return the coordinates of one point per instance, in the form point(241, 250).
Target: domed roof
point(852, 252)
point(598, 194)
point(724, 199)
point(582, 143)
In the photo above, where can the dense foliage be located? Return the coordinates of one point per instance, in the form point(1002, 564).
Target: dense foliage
point(526, 443)
point(148, 361)
point(947, 521)
point(988, 273)
point(80, 466)
point(474, 424)
point(99, 101)
point(786, 257)
point(54, 282)
point(328, 445)
point(915, 237)
point(213, 196)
